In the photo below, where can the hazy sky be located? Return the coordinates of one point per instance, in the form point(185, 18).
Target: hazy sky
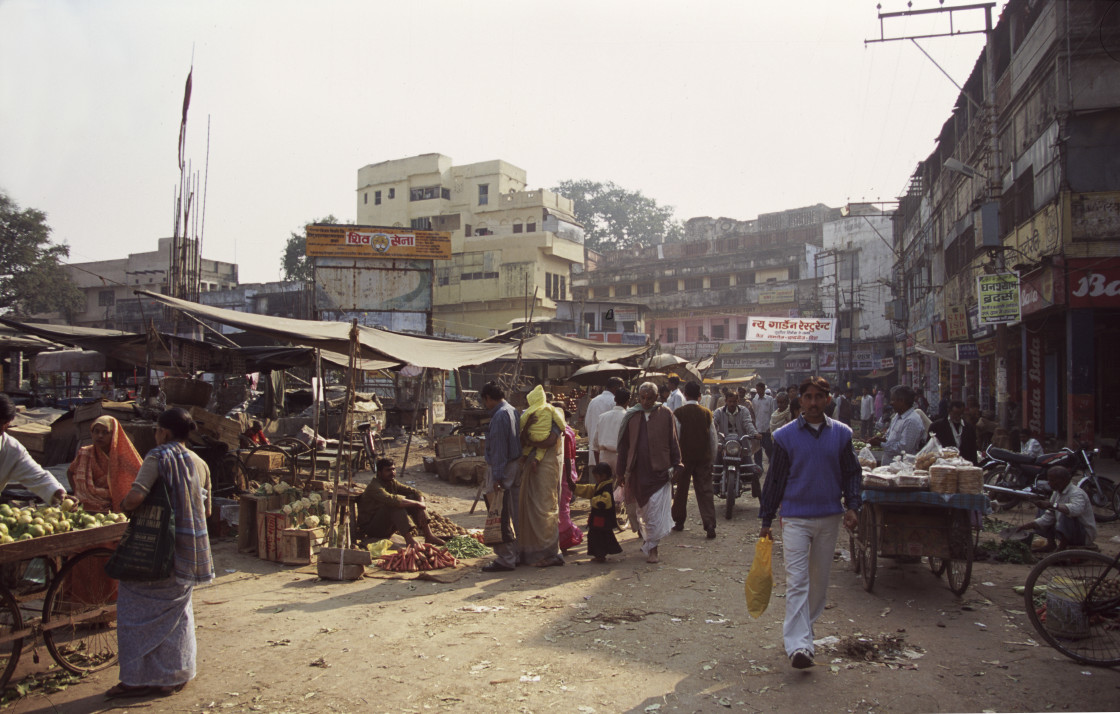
point(720, 108)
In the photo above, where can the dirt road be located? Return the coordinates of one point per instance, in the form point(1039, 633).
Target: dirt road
point(621, 637)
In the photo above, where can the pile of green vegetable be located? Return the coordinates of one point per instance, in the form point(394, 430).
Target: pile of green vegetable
point(463, 546)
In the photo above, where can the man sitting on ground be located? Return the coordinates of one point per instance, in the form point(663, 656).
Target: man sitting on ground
point(1067, 516)
point(387, 505)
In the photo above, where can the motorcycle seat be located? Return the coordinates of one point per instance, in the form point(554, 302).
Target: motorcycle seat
point(1011, 457)
point(1054, 459)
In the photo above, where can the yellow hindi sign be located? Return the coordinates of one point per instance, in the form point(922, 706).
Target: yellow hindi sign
point(344, 241)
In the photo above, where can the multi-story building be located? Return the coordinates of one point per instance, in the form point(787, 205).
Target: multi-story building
point(290, 299)
point(512, 248)
point(108, 286)
point(701, 292)
point(1025, 178)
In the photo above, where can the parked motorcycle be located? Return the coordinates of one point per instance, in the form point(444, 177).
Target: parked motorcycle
point(735, 470)
point(1019, 472)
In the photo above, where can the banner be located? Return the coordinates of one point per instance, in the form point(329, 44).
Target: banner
point(792, 329)
point(344, 241)
point(998, 297)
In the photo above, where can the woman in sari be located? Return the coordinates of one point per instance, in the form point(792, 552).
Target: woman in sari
point(570, 534)
point(538, 534)
point(102, 472)
point(155, 619)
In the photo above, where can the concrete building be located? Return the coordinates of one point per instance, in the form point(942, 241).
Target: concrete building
point(108, 286)
point(507, 241)
point(280, 299)
point(1035, 192)
point(701, 292)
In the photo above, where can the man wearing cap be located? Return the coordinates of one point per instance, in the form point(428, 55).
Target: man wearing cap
point(814, 479)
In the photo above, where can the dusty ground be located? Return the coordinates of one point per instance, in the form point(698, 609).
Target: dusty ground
point(622, 637)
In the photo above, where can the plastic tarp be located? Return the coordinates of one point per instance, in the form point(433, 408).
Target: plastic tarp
point(557, 348)
point(68, 361)
point(428, 352)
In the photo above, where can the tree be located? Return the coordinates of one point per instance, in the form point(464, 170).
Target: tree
point(295, 264)
point(32, 278)
point(616, 218)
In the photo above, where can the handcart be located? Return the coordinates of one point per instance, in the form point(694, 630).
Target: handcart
point(74, 607)
point(914, 524)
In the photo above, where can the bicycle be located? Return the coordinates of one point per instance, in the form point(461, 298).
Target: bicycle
point(1073, 600)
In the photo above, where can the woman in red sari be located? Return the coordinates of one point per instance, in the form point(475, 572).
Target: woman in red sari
point(570, 534)
point(102, 473)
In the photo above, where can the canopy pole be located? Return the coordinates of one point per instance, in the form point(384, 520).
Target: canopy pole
point(342, 514)
point(415, 404)
point(317, 407)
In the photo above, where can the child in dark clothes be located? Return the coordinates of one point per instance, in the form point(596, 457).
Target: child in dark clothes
point(601, 523)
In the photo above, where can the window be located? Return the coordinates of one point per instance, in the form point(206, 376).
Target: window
point(467, 230)
point(445, 194)
point(719, 330)
point(846, 320)
point(622, 291)
point(645, 288)
point(392, 193)
point(742, 330)
point(667, 286)
point(106, 298)
point(529, 228)
point(424, 193)
point(517, 227)
point(670, 335)
point(694, 283)
point(720, 281)
point(483, 194)
point(746, 279)
point(377, 198)
point(589, 320)
point(365, 198)
point(563, 287)
point(421, 224)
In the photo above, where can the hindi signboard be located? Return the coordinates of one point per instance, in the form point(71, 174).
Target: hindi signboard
point(792, 329)
point(998, 297)
point(345, 241)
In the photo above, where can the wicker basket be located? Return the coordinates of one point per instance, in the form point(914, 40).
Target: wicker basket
point(186, 391)
point(943, 478)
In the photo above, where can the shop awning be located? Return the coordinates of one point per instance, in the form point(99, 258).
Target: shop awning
point(878, 373)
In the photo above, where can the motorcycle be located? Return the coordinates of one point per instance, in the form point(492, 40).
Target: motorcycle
point(735, 471)
point(1023, 472)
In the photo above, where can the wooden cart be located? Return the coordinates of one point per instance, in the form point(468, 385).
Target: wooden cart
point(76, 605)
point(917, 524)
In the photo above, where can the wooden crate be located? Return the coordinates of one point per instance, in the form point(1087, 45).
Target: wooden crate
point(228, 431)
point(265, 460)
point(450, 446)
point(300, 546)
point(32, 436)
point(247, 523)
point(270, 525)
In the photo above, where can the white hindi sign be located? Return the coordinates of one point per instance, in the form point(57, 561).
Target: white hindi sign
point(819, 330)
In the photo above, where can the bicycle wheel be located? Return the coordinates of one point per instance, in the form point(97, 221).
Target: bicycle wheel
point(853, 552)
point(11, 622)
point(1105, 499)
point(1073, 600)
point(80, 614)
point(936, 565)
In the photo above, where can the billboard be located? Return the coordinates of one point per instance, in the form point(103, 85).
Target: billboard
point(346, 241)
point(792, 329)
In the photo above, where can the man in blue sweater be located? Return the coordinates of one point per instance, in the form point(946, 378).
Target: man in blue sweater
point(812, 471)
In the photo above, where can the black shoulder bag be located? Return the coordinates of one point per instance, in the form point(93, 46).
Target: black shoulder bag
point(147, 548)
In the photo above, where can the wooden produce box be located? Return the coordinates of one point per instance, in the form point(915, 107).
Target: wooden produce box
point(450, 446)
point(218, 427)
point(32, 436)
point(248, 531)
point(270, 525)
point(299, 546)
point(265, 460)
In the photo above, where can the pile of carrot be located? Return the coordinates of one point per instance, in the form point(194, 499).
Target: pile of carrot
point(415, 558)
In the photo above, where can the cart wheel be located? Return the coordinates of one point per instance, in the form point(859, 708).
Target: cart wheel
point(235, 477)
point(852, 545)
point(80, 614)
point(869, 547)
point(959, 570)
point(11, 621)
point(936, 565)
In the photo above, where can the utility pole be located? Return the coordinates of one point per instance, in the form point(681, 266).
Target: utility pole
point(991, 114)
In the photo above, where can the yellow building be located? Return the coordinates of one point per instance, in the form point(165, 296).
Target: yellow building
point(506, 241)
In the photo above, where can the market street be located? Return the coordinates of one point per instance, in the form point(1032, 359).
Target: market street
point(625, 636)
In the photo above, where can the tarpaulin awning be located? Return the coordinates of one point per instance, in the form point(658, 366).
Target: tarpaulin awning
point(558, 348)
point(429, 352)
point(878, 373)
point(68, 361)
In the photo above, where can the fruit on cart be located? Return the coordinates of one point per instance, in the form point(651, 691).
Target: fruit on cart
point(35, 522)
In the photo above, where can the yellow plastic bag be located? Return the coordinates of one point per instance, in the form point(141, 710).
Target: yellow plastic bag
point(380, 548)
point(760, 579)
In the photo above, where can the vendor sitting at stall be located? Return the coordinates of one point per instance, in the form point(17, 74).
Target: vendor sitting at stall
point(102, 473)
point(386, 506)
point(17, 465)
point(254, 436)
point(1067, 516)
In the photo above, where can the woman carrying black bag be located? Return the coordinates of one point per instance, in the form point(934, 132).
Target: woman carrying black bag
point(155, 618)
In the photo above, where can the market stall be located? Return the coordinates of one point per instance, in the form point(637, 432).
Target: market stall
point(909, 513)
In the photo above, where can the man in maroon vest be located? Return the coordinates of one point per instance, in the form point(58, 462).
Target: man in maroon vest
point(648, 456)
point(698, 447)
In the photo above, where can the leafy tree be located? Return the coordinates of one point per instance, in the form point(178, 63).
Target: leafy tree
point(616, 218)
point(295, 264)
point(32, 278)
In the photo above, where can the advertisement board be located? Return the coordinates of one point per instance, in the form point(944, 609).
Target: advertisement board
point(998, 298)
point(792, 329)
point(348, 241)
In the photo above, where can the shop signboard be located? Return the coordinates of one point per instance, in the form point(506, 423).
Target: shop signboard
point(1041, 289)
point(1036, 395)
point(1094, 282)
point(347, 241)
point(998, 298)
point(863, 359)
point(792, 329)
point(967, 351)
point(746, 363)
point(886, 363)
point(626, 314)
point(773, 297)
point(798, 364)
point(956, 323)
